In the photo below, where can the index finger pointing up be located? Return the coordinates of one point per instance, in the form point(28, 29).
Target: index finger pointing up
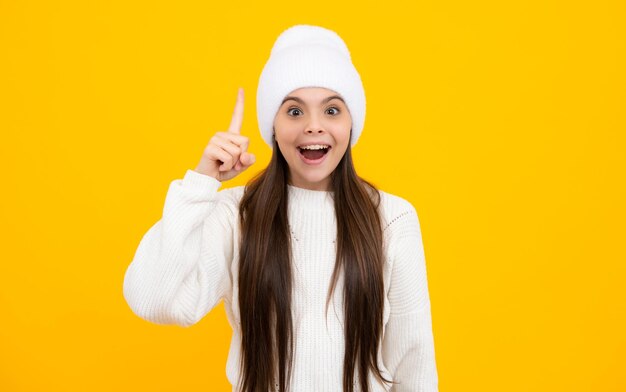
point(237, 120)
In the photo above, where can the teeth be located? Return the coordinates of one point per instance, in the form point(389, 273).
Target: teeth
point(315, 147)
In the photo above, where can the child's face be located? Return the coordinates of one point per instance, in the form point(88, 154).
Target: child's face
point(315, 120)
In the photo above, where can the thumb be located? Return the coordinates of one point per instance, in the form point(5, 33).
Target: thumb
point(247, 158)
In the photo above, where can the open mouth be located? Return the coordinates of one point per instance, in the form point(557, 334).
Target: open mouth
point(313, 156)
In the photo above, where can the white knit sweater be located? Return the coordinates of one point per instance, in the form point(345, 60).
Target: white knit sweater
point(186, 264)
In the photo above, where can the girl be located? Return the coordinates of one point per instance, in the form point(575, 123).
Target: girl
point(305, 236)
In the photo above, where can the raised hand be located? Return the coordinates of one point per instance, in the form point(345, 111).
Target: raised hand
point(225, 156)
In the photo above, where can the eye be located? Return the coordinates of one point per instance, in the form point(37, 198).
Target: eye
point(289, 111)
point(336, 110)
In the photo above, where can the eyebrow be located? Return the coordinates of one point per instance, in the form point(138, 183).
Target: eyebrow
point(302, 102)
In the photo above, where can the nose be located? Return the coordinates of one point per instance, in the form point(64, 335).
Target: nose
point(312, 131)
point(314, 126)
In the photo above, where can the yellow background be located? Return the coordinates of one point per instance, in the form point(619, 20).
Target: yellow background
point(502, 122)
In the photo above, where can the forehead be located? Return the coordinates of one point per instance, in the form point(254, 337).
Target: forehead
point(312, 95)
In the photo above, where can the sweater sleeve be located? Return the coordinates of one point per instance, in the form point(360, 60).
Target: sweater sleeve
point(408, 345)
point(180, 270)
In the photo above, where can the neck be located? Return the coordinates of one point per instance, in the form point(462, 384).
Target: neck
point(321, 186)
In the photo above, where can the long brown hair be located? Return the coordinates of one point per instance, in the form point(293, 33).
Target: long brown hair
point(265, 283)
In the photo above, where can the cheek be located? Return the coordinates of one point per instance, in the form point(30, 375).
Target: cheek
point(344, 136)
point(285, 131)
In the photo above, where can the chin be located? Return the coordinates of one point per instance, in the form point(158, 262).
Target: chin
point(312, 176)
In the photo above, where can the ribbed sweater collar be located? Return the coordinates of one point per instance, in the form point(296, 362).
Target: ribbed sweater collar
point(307, 198)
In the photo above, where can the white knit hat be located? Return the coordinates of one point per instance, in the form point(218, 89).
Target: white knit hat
point(308, 56)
